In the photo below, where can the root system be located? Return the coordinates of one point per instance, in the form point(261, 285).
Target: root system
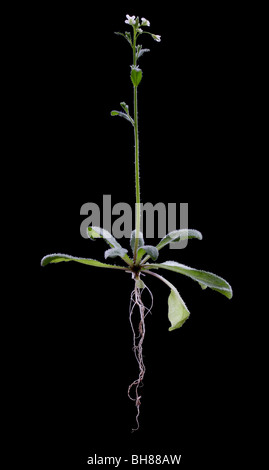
point(139, 330)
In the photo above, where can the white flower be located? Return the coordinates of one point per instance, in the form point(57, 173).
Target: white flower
point(139, 30)
point(156, 37)
point(130, 20)
point(145, 22)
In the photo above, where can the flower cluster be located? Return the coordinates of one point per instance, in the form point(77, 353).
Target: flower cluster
point(133, 21)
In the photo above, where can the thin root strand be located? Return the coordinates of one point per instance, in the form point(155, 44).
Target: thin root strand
point(138, 339)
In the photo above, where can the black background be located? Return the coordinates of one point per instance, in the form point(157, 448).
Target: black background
point(194, 116)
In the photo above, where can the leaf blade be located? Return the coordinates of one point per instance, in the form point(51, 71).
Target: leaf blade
point(204, 278)
point(127, 36)
point(98, 232)
point(140, 240)
point(150, 250)
point(124, 115)
point(136, 75)
point(178, 312)
point(141, 51)
point(59, 257)
point(114, 252)
point(176, 235)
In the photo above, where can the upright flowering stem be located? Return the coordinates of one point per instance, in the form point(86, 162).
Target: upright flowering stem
point(137, 182)
point(136, 76)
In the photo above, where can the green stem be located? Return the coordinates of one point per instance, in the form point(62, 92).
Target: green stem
point(137, 183)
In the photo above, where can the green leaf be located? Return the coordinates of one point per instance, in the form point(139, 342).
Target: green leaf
point(129, 38)
point(124, 115)
point(114, 252)
point(140, 240)
point(59, 257)
point(140, 51)
point(147, 249)
point(205, 279)
point(98, 232)
point(119, 34)
point(136, 75)
point(176, 235)
point(178, 312)
point(126, 36)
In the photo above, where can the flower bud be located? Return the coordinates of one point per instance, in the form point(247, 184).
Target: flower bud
point(145, 22)
point(156, 37)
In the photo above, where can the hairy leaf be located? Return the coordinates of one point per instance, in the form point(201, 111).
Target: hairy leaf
point(205, 279)
point(140, 51)
point(178, 312)
point(124, 115)
point(177, 235)
point(127, 36)
point(114, 252)
point(140, 240)
point(59, 257)
point(136, 75)
point(150, 250)
point(98, 232)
